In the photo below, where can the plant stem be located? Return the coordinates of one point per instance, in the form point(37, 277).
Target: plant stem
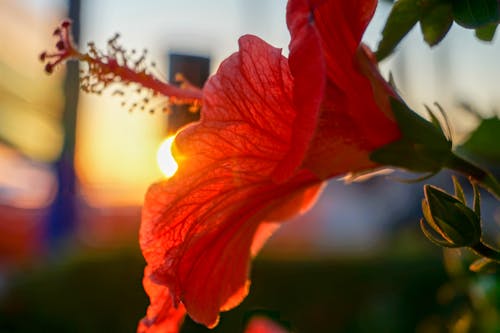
point(486, 251)
point(484, 178)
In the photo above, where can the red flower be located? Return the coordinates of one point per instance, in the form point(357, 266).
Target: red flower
point(263, 325)
point(271, 131)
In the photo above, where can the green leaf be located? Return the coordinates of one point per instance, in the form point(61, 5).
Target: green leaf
point(428, 216)
point(434, 119)
point(436, 18)
point(487, 33)
point(477, 200)
point(392, 82)
point(484, 265)
point(436, 22)
point(476, 13)
point(459, 191)
point(430, 236)
point(417, 129)
point(483, 144)
point(404, 15)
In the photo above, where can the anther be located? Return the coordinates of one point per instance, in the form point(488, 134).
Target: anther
point(49, 68)
point(60, 45)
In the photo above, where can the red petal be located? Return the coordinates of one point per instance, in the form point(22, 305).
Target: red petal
point(340, 25)
point(263, 325)
point(204, 220)
point(367, 64)
point(308, 69)
point(354, 118)
point(162, 316)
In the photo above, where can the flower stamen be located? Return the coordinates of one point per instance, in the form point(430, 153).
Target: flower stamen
point(116, 65)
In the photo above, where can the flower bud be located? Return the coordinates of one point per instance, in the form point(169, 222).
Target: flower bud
point(455, 223)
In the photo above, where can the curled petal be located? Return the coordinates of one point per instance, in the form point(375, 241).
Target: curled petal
point(216, 211)
point(162, 316)
point(339, 26)
point(324, 37)
point(308, 69)
point(354, 118)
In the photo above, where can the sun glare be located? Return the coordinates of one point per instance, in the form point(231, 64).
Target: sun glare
point(165, 159)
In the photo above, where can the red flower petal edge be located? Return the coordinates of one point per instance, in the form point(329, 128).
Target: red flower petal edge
point(162, 316)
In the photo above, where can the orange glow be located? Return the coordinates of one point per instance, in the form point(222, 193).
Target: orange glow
point(165, 159)
point(116, 151)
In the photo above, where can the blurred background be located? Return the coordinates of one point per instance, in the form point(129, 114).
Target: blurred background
point(74, 169)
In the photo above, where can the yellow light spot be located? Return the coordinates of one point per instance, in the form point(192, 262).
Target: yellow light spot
point(165, 159)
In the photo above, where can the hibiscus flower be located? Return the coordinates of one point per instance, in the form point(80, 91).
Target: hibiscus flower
point(272, 130)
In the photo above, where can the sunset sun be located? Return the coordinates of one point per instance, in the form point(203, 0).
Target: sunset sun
point(164, 158)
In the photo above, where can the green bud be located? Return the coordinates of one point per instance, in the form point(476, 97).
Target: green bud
point(447, 216)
